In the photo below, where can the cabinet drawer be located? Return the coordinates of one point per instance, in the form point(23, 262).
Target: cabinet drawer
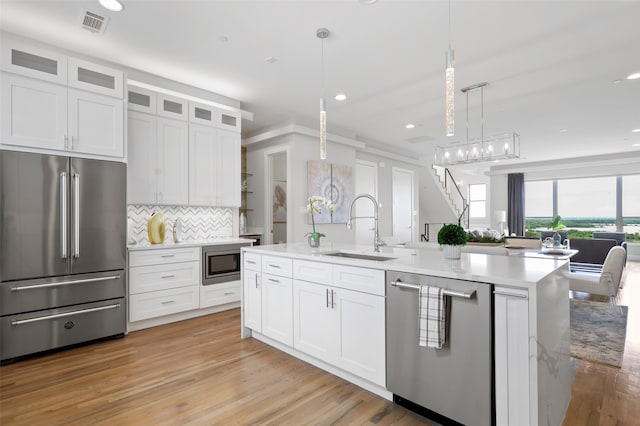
point(143, 279)
point(359, 279)
point(252, 261)
point(315, 272)
point(165, 302)
point(277, 266)
point(162, 256)
point(219, 294)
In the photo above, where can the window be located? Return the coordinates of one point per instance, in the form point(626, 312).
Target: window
point(538, 199)
point(591, 199)
point(478, 200)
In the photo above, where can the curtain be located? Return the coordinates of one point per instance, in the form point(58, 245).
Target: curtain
point(515, 211)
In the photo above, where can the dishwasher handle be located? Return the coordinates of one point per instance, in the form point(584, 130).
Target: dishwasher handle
point(447, 292)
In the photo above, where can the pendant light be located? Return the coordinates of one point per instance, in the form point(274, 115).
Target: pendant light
point(323, 33)
point(449, 91)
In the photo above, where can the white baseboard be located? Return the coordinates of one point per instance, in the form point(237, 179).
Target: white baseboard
point(167, 319)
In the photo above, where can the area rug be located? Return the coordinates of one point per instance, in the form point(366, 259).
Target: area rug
point(598, 331)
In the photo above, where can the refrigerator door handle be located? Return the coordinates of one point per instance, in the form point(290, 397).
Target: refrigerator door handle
point(64, 189)
point(76, 215)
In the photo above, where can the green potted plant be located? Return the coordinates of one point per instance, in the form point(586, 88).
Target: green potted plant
point(452, 237)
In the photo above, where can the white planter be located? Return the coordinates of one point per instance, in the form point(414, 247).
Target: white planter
point(451, 252)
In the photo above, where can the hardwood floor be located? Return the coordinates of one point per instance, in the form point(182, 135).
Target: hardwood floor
point(603, 395)
point(199, 372)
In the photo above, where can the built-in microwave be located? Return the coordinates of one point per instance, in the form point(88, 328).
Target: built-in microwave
point(221, 263)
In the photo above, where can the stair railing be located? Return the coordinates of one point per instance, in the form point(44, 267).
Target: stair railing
point(463, 219)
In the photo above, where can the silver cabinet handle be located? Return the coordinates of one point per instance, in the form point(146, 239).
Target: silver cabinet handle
point(74, 142)
point(504, 293)
point(326, 290)
point(76, 215)
point(274, 280)
point(229, 294)
point(275, 266)
point(61, 283)
point(66, 314)
point(168, 255)
point(63, 215)
point(256, 280)
point(251, 262)
point(333, 305)
point(166, 302)
point(167, 276)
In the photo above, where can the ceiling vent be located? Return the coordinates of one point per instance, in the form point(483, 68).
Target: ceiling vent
point(93, 22)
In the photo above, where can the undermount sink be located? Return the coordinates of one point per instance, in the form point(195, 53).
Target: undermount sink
point(361, 256)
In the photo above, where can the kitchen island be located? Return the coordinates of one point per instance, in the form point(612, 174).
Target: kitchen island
point(329, 306)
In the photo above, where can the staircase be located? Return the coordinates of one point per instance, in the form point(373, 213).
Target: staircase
point(452, 192)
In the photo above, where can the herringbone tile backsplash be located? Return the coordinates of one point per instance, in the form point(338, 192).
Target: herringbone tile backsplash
point(197, 222)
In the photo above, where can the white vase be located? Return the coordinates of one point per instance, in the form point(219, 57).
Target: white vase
point(451, 252)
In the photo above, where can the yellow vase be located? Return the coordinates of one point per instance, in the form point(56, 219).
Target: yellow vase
point(155, 228)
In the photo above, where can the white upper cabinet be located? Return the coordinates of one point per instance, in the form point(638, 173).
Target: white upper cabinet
point(206, 115)
point(142, 100)
point(96, 78)
point(214, 167)
point(173, 161)
point(59, 104)
point(142, 166)
point(21, 58)
point(228, 159)
point(172, 107)
point(229, 120)
point(96, 124)
point(34, 113)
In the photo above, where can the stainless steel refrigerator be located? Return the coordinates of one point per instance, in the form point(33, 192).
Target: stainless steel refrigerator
point(62, 251)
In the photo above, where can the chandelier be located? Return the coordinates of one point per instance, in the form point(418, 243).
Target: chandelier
point(496, 147)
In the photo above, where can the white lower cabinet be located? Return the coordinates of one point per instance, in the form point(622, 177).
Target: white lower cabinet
point(252, 300)
point(277, 308)
point(163, 282)
point(511, 308)
point(164, 302)
point(219, 294)
point(314, 321)
point(342, 327)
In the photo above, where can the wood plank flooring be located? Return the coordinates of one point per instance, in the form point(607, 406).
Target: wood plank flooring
point(199, 372)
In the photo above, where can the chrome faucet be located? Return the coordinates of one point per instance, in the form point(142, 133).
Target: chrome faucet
point(377, 242)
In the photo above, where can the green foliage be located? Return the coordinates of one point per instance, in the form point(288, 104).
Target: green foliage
point(452, 234)
point(555, 223)
point(533, 224)
point(484, 239)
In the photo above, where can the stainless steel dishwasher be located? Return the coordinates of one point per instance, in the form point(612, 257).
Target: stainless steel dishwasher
point(456, 381)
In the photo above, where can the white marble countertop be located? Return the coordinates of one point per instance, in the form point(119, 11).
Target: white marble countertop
point(512, 271)
point(189, 243)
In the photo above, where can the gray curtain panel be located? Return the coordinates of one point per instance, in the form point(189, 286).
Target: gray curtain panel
point(515, 211)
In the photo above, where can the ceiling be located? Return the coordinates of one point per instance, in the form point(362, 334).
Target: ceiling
point(550, 65)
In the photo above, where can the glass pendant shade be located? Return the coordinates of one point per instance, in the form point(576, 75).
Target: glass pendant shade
point(323, 130)
point(449, 106)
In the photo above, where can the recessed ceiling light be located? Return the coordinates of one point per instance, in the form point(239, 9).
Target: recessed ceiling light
point(270, 59)
point(617, 81)
point(409, 126)
point(113, 5)
point(564, 130)
point(635, 131)
point(223, 38)
point(340, 97)
point(636, 144)
point(634, 76)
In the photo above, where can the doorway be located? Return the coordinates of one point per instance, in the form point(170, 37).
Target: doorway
point(403, 204)
point(277, 189)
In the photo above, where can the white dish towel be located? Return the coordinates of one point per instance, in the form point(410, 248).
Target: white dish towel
point(433, 316)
